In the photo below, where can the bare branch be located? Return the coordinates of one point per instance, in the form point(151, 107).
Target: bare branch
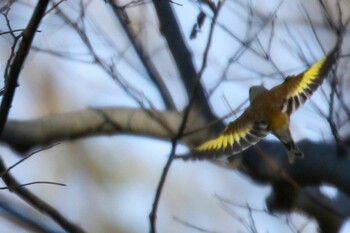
point(148, 64)
point(183, 58)
point(24, 136)
point(35, 202)
point(19, 59)
point(18, 215)
point(184, 122)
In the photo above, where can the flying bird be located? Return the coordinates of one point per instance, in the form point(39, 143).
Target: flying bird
point(269, 112)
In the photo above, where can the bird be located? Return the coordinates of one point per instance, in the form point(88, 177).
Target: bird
point(269, 112)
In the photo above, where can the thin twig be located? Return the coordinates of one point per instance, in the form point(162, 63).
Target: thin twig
point(27, 157)
point(36, 202)
point(151, 70)
point(32, 183)
point(18, 61)
point(192, 226)
point(153, 214)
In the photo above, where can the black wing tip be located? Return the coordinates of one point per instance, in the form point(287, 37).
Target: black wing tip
point(195, 155)
point(259, 130)
point(202, 155)
point(184, 157)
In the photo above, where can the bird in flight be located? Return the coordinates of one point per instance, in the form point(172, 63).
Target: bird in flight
point(269, 112)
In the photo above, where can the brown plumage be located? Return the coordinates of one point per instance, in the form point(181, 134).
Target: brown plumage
point(270, 111)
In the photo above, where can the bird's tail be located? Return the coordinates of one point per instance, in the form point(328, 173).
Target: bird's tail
point(293, 151)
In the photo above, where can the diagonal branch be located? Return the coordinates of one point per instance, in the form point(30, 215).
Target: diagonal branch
point(183, 58)
point(18, 215)
point(36, 202)
point(148, 64)
point(328, 212)
point(19, 59)
point(192, 98)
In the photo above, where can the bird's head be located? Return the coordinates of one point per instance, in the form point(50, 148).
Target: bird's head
point(254, 91)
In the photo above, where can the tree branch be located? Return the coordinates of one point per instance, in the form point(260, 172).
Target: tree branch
point(328, 212)
point(321, 163)
point(16, 66)
point(35, 202)
point(23, 136)
point(18, 215)
point(147, 62)
point(183, 59)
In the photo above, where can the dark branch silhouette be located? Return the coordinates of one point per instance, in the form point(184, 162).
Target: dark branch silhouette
point(262, 38)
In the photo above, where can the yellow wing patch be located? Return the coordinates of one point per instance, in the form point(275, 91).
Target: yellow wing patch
point(223, 141)
point(236, 137)
point(309, 76)
point(296, 90)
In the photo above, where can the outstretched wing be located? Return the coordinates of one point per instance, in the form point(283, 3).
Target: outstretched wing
point(298, 89)
point(236, 137)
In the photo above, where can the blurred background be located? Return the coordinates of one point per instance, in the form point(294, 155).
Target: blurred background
point(111, 180)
